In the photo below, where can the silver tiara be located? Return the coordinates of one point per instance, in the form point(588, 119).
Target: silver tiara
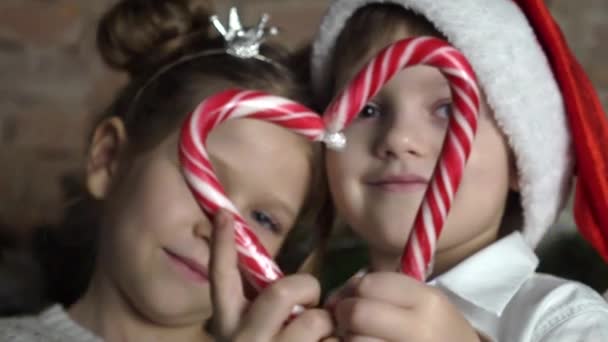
point(243, 42)
point(240, 42)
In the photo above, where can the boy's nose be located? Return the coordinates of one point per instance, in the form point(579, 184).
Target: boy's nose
point(397, 141)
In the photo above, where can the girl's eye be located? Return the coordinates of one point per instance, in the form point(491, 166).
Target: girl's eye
point(266, 221)
point(444, 111)
point(370, 110)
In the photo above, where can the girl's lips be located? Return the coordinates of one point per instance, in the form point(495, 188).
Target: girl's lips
point(188, 266)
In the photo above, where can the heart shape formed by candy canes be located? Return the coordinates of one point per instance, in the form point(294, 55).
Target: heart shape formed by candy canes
point(259, 267)
point(437, 201)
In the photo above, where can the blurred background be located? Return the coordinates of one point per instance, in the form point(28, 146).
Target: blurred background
point(52, 83)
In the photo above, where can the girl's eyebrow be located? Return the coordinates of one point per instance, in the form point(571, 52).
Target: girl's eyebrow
point(381, 98)
point(277, 204)
point(266, 198)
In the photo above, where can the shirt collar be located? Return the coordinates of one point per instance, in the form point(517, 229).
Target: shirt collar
point(490, 278)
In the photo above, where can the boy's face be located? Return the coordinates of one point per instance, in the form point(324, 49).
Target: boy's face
point(379, 180)
point(155, 240)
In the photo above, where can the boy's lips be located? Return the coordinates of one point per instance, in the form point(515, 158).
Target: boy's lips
point(192, 268)
point(398, 182)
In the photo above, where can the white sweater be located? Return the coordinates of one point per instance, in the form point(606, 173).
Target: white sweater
point(51, 325)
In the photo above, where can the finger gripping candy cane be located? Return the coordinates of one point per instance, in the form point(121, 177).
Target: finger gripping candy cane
point(258, 266)
point(448, 171)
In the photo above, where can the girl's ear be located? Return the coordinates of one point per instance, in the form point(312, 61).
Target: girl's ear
point(105, 152)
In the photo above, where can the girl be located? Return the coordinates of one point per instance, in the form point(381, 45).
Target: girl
point(535, 121)
point(151, 276)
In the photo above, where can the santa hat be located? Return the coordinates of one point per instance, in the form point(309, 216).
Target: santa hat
point(542, 100)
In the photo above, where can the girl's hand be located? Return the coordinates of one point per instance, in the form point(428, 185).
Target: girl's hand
point(264, 319)
point(388, 306)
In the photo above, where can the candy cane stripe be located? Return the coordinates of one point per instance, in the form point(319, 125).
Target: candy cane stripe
point(198, 172)
point(458, 142)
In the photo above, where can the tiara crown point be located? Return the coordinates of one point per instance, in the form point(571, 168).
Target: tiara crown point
point(243, 42)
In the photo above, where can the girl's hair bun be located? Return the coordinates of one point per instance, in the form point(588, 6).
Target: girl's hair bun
point(138, 36)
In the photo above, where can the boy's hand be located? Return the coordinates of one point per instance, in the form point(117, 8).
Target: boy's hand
point(388, 306)
point(236, 319)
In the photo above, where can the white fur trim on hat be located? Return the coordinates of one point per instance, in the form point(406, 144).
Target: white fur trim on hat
point(516, 78)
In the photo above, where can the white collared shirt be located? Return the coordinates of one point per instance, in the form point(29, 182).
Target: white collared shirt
point(502, 296)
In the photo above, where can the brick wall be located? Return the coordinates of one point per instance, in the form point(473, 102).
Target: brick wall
point(52, 83)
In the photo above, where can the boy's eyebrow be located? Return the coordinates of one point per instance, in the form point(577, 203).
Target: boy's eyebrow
point(440, 82)
point(443, 82)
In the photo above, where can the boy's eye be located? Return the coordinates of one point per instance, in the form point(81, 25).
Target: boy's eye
point(266, 221)
point(370, 110)
point(444, 111)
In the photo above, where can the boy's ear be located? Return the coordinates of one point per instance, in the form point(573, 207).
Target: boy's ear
point(513, 174)
point(107, 146)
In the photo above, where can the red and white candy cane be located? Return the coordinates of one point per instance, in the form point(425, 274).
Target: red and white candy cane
point(258, 266)
point(448, 172)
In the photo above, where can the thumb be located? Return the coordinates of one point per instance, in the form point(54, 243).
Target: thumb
point(227, 297)
point(345, 291)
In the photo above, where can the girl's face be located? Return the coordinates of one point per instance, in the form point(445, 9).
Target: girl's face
point(379, 180)
point(154, 247)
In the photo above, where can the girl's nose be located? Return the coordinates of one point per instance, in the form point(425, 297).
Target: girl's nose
point(202, 228)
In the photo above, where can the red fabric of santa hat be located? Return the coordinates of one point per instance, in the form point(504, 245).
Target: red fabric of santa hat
point(588, 126)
